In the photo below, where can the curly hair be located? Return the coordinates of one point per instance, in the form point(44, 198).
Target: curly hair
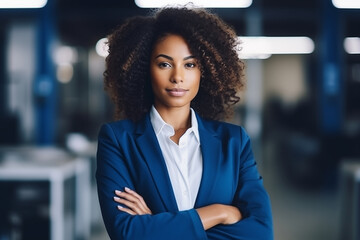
point(212, 42)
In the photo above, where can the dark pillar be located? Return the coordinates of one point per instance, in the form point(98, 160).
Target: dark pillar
point(331, 82)
point(45, 85)
point(330, 93)
point(2, 74)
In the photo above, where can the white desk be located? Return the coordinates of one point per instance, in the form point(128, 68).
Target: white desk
point(30, 164)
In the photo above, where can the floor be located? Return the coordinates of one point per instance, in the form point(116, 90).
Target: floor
point(99, 234)
point(300, 213)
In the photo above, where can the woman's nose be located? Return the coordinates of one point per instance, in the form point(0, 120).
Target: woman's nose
point(177, 75)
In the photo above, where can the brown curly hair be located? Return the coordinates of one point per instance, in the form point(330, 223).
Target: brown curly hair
point(213, 43)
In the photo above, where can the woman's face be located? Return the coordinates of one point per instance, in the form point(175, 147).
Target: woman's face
point(175, 74)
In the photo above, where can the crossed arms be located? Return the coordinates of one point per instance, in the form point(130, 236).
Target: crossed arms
point(247, 216)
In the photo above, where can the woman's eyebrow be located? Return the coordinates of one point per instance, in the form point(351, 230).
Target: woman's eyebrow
point(164, 56)
point(189, 57)
point(170, 58)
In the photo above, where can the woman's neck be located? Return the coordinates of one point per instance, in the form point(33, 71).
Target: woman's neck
point(178, 118)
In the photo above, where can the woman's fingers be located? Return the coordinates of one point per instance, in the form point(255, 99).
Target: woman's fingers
point(133, 201)
point(130, 205)
point(140, 198)
point(127, 210)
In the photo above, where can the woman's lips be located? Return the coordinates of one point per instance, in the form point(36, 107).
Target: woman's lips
point(177, 92)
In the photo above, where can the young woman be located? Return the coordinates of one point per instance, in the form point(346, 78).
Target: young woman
point(170, 170)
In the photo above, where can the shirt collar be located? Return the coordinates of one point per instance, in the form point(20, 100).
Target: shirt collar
point(159, 124)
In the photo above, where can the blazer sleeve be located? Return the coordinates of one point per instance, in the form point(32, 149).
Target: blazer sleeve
point(113, 173)
point(252, 200)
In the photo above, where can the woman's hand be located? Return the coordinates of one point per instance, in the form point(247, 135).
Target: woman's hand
point(233, 214)
point(135, 204)
point(215, 214)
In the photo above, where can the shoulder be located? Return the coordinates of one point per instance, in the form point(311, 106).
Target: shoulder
point(121, 124)
point(233, 137)
point(225, 129)
point(221, 127)
point(118, 128)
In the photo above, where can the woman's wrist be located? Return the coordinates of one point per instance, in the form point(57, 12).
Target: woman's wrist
point(232, 214)
point(222, 211)
point(215, 214)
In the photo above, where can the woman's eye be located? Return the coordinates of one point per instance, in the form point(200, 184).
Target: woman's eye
point(164, 65)
point(190, 65)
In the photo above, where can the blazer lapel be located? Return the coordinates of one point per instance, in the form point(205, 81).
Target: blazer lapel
point(151, 152)
point(211, 154)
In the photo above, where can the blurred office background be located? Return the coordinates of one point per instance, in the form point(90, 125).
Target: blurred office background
point(301, 107)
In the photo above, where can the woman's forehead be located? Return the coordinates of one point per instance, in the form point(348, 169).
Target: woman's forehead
point(171, 44)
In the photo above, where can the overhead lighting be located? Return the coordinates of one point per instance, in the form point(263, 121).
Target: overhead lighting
point(102, 48)
point(253, 56)
point(22, 3)
point(346, 3)
point(65, 55)
point(197, 3)
point(352, 45)
point(252, 47)
point(64, 73)
point(264, 47)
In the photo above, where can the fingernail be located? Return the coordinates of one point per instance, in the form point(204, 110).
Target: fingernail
point(116, 198)
point(127, 189)
point(119, 207)
point(117, 191)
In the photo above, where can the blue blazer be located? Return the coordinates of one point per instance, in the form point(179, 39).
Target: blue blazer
point(129, 155)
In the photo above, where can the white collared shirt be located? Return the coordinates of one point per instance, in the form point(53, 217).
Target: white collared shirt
point(184, 161)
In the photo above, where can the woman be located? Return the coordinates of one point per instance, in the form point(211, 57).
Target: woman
point(165, 172)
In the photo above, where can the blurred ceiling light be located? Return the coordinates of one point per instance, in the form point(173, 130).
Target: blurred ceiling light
point(22, 3)
point(264, 47)
point(65, 55)
point(346, 3)
point(64, 73)
point(102, 48)
point(253, 56)
point(197, 3)
point(352, 45)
